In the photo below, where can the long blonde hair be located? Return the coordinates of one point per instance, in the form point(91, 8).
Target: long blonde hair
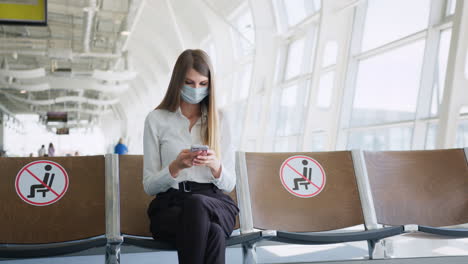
point(199, 61)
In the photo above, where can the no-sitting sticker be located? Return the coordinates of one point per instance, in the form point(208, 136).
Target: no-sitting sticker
point(302, 176)
point(41, 182)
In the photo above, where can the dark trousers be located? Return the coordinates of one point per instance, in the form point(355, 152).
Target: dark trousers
point(197, 223)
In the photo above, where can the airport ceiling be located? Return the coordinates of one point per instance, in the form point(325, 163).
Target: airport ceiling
point(79, 62)
point(75, 64)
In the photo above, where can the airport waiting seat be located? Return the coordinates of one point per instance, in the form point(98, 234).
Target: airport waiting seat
point(134, 222)
point(74, 222)
point(288, 218)
point(426, 188)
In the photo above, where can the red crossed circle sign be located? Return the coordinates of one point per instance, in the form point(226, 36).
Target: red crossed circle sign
point(302, 176)
point(41, 182)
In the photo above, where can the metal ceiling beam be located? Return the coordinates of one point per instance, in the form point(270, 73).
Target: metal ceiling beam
point(43, 53)
point(62, 99)
point(89, 13)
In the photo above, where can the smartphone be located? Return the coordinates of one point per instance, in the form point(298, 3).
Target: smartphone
point(203, 148)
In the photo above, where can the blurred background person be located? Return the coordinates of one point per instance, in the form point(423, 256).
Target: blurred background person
point(51, 150)
point(120, 148)
point(41, 151)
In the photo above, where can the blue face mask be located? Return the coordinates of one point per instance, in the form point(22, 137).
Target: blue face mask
point(194, 95)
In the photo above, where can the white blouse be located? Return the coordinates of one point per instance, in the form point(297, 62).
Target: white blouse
point(166, 134)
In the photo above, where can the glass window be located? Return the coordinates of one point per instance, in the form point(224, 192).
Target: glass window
point(309, 52)
point(318, 142)
point(431, 136)
point(209, 48)
point(244, 80)
point(226, 96)
point(441, 70)
point(464, 109)
point(255, 115)
point(451, 4)
point(235, 114)
point(466, 65)
point(239, 121)
point(325, 91)
point(285, 144)
point(297, 10)
point(244, 25)
point(294, 60)
point(251, 145)
point(462, 134)
point(330, 54)
point(281, 144)
point(287, 118)
point(395, 138)
point(278, 66)
point(291, 110)
point(387, 86)
point(389, 20)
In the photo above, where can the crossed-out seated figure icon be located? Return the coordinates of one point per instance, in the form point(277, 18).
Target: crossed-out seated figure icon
point(306, 172)
point(48, 180)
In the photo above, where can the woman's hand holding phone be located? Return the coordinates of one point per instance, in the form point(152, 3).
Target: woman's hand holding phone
point(198, 155)
point(183, 161)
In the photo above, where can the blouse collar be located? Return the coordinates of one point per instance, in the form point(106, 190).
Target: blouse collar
point(204, 111)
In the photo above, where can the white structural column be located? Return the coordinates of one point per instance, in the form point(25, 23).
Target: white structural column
point(349, 86)
point(175, 24)
point(456, 92)
point(314, 119)
point(266, 49)
point(220, 33)
point(335, 26)
point(431, 52)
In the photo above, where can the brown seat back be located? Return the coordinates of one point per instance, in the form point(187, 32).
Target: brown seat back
point(427, 187)
point(233, 195)
point(133, 200)
point(68, 218)
point(273, 207)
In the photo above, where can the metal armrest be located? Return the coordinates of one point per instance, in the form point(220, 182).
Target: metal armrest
point(333, 237)
point(49, 249)
point(450, 232)
point(243, 238)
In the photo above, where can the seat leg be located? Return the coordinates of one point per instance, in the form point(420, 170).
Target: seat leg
point(378, 249)
point(113, 252)
point(249, 253)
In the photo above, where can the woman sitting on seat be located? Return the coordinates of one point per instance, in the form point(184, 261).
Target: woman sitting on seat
point(190, 209)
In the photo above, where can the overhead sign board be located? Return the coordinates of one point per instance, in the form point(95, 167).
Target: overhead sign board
point(23, 12)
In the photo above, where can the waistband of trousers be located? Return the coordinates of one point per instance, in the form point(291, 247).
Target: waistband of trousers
point(190, 186)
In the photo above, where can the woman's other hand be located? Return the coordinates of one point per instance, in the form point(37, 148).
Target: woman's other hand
point(209, 160)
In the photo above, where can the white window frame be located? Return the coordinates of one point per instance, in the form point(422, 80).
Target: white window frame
point(437, 22)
